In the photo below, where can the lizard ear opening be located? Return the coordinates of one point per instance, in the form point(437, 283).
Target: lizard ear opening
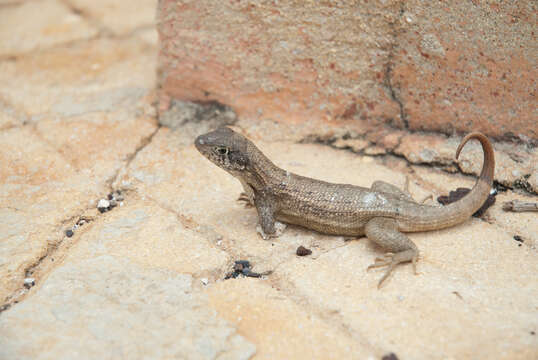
point(238, 159)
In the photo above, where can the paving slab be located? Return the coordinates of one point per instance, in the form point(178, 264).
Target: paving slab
point(91, 76)
point(36, 25)
point(149, 277)
point(281, 328)
point(96, 307)
point(39, 190)
point(121, 17)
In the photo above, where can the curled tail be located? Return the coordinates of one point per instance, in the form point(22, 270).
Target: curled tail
point(481, 189)
point(433, 217)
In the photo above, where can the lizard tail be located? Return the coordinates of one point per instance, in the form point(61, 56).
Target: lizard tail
point(432, 218)
point(488, 167)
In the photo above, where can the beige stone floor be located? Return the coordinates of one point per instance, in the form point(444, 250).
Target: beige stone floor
point(146, 279)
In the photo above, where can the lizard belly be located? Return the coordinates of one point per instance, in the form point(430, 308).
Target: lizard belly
point(325, 225)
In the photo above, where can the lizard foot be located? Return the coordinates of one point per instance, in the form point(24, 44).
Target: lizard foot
point(243, 197)
point(391, 260)
point(279, 229)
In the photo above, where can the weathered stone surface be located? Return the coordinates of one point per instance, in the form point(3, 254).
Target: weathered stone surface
point(281, 328)
point(150, 270)
point(97, 144)
point(523, 224)
point(108, 307)
point(415, 65)
point(80, 130)
point(293, 62)
point(8, 118)
point(513, 164)
point(33, 206)
point(122, 17)
point(471, 291)
point(468, 66)
point(92, 76)
point(39, 24)
point(153, 237)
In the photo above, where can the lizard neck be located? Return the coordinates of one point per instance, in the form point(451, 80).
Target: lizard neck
point(260, 172)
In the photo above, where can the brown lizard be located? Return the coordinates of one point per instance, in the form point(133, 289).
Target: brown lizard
point(382, 212)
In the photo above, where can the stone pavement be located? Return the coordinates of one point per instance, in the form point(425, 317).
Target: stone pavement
point(146, 279)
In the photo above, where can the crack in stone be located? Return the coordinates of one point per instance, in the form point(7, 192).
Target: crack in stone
point(392, 91)
point(51, 248)
point(388, 83)
point(449, 166)
point(327, 315)
point(20, 117)
point(144, 142)
point(102, 33)
point(207, 232)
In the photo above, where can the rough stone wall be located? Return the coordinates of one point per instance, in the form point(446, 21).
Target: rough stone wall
point(416, 65)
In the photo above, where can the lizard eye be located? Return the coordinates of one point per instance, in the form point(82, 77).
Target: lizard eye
point(221, 150)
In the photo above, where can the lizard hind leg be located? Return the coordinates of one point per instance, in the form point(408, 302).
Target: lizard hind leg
point(384, 232)
point(383, 186)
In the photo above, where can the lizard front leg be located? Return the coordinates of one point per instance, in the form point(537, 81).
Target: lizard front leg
point(247, 196)
point(268, 226)
point(384, 232)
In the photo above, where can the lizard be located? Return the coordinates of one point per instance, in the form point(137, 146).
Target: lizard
point(383, 213)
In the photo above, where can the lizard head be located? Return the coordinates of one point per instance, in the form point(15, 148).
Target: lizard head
point(225, 148)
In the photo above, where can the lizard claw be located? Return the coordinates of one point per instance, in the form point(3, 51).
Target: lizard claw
point(279, 229)
point(391, 260)
point(382, 261)
point(243, 197)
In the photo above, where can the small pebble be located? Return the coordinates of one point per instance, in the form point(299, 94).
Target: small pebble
point(103, 204)
point(69, 233)
point(29, 282)
point(204, 281)
point(302, 251)
point(391, 356)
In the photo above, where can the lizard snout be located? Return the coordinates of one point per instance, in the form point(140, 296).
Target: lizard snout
point(200, 142)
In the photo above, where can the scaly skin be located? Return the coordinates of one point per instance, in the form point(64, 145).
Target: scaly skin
point(382, 213)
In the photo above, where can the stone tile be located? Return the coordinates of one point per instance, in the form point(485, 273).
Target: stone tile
point(35, 25)
point(93, 76)
point(524, 224)
point(7, 119)
point(513, 164)
point(99, 305)
point(475, 286)
point(97, 144)
point(152, 237)
point(39, 189)
point(281, 328)
point(122, 17)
